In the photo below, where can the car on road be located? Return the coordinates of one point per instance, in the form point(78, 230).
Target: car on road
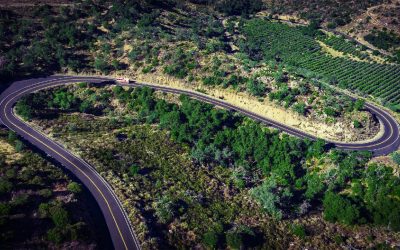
point(122, 80)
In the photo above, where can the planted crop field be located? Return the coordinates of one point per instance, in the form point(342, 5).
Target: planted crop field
point(298, 47)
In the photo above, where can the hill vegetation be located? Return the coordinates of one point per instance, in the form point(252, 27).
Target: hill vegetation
point(192, 175)
point(40, 206)
point(288, 179)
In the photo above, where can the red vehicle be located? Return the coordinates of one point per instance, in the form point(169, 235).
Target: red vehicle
point(122, 80)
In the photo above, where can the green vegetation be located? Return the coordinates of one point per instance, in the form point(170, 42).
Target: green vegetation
point(197, 175)
point(33, 213)
point(334, 13)
point(345, 46)
point(383, 39)
point(287, 177)
point(303, 54)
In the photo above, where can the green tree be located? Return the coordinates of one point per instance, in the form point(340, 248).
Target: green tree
point(5, 210)
point(59, 216)
point(359, 104)
point(298, 230)
point(134, 169)
point(265, 195)
point(341, 209)
point(19, 146)
point(396, 157)
point(64, 99)
point(234, 240)
point(256, 88)
point(300, 108)
point(74, 187)
point(5, 185)
point(101, 65)
point(357, 124)
point(24, 109)
point(55, 235)
point(164, 209)
point(210, 239)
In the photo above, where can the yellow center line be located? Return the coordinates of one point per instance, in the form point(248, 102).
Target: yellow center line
point(93, 183)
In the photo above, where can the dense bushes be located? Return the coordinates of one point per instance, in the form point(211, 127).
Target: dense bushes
point(25, 189)
point(238, 7)
point(383, 40)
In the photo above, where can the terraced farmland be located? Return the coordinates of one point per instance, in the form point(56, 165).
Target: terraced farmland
point(301, 50)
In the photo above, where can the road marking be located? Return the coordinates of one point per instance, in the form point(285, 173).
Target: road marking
point(199, 96)
point(68, 79)
point(288, 129)
point(40, 141)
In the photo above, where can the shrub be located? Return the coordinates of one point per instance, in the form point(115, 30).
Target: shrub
point(338, 208)
point(298, 230)
point(59, 216)
point(268, 200)
point(359, 104)
point(23, 109)
point(234, 240)
point(45, 192)
point(133, 170)
point(357, 124)
point(74, 187)
point(164, 209)
point(396, 157)
point(210, 239)
point(5, 186)
point(300, 108)
point(20, 199)
point(19, 146)
point(55, 235)
point(44, 209)
point(256, 88)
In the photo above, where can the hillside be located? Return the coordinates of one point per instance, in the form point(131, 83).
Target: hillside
point(191, 175)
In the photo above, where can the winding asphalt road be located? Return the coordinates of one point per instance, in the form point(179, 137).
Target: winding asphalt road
point(117, 221)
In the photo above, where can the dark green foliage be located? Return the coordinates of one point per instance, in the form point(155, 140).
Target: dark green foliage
point(134, 169)
point(210, 239)
point(181, 64)
point(74, 187)
point(329, 111)
point(380, 196)
point(383, 40)
point(19, 146)
point(341, 209)
point(298, 230)
point(24, 109)
point(239, 7)
point(255, 87)
point(5, 186)
point(24, 190)
point(101, 65)
point(359, 104)
point(357, 124)
point(396, 157)
point(63, 99)
point(59, 216)
point(300, 108)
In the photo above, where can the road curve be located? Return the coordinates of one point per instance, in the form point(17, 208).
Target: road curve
point(383, 145)
point(117, 221)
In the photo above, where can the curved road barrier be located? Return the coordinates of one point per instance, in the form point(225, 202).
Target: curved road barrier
point(117, 221)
